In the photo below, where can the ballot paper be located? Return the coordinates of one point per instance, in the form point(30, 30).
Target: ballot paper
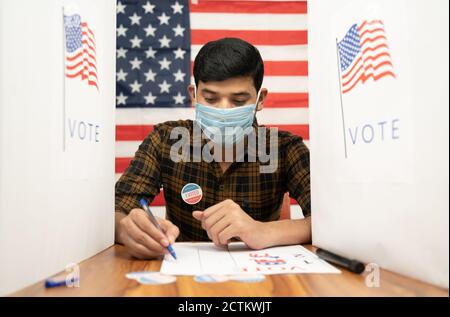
point(199, 258)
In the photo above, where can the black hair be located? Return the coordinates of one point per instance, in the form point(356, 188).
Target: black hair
point(228, 58)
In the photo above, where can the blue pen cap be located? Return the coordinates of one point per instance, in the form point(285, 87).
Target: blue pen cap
point(143, 202)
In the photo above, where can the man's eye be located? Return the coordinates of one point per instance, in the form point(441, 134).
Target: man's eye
point(210, 100)
point(239, 102)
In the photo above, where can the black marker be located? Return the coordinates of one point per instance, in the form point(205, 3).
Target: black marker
point(351, 265)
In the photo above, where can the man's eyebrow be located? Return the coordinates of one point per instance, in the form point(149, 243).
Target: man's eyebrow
point(207, 91)
point(242, 93)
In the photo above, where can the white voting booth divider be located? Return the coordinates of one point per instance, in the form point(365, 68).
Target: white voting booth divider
point(379, 151)
point(56, 140)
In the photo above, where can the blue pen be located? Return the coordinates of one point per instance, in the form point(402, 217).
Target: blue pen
point(155, 222)
point(52, 282)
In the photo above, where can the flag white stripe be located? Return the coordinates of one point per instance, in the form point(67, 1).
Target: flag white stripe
point(245, 21)
point(152, 116)
point(272, 52)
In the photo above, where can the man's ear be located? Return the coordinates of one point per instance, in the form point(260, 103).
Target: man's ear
point(191, 92)
point(262, 98)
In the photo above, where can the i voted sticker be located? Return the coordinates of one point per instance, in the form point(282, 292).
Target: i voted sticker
point(191, 193)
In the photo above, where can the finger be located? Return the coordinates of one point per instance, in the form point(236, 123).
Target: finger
point(218, 227)
point(214, 208)
point(197, 215)
point(141, 237)
point(227, 234)
point(172, 232)
point(138, 250)
point(208, 222)
point(143, 221)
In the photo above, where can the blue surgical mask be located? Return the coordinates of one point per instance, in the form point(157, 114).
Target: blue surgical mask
point(231, 124)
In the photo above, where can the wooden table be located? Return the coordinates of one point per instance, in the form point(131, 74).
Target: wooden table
point(104, 275)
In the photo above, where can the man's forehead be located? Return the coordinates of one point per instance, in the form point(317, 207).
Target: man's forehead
point(232, 86)
point(236, 92)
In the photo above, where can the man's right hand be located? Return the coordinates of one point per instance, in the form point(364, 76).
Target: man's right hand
point(140, 237)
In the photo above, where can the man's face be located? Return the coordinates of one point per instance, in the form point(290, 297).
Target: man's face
point(230, 93)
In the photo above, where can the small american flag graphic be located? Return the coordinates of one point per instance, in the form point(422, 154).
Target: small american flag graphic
point(363, 54)
point(80, 50)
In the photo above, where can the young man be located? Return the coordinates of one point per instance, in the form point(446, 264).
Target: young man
point(238, 200)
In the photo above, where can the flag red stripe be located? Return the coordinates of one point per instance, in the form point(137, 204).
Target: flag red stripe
point(132, 132)
point(70, 67)
point(371, 40)
point(364, 78)
point(375, 48)
point(370, 23)
point(266, 37)
point(74, 66)
point(71, 58)
point(282, 68)
point(81, 72)
point(370, 31)
point(88, 29)
point(286, 100)
point(122, 164)
point(249, 7)
point(89, 37)
point(297, 129)
point(88, 45)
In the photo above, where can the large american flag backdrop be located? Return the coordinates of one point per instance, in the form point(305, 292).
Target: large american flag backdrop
point(158, 40)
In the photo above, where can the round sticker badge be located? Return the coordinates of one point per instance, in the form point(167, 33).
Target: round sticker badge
point(191, 193)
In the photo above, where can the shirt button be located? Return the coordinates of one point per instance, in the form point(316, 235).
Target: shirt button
point(221, 187)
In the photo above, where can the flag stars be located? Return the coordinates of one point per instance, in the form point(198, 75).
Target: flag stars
point(150, 75)
point(136, 63)
point(165, 64)
point(179, 98)
point(121, 52)
point(163, 19)
point(122, 31)
point(179, 53)
point(150, 30)
point(121, 75)
point(150, 52)
point(135, 87)
point(178, 30)
point(177, 8)
point(164, 87)
point(136, 42)
point(148, 7)
point(121, 99)
point(150, 99)
point(164, 41)
point(120, 8)
point(179, 75)
point(135, 19)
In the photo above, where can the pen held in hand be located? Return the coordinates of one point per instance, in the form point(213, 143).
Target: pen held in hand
point(156, 224)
